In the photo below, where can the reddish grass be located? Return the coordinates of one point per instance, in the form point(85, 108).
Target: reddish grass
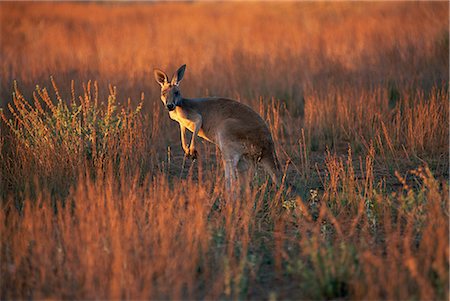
point(97, 201)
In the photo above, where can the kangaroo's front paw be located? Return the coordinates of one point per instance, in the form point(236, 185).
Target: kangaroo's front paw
point(186, 151)
point(191, 152)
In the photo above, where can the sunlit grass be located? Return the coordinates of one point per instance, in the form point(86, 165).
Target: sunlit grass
point(98, 201)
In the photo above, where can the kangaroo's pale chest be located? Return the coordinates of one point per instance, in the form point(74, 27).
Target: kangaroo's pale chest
point(182, 120)
point(180, 117)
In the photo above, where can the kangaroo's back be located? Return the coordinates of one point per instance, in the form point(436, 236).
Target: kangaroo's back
point(216, 110)
point(237, 121)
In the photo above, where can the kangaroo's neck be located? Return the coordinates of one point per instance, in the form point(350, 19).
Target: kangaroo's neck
point(181, 110)
point(181, 102)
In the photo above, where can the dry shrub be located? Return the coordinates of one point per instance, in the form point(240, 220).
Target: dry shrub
point(53, 140)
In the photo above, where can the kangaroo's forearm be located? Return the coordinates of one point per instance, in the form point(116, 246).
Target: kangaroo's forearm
point(183, 137)
point(198, 125)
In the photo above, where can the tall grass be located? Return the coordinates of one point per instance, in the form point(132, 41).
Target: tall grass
point(98, 201)
point(116, 238)
point(53, 140)
point(410, 124)
point(247, 49)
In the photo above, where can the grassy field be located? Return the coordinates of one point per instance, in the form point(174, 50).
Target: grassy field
point(98, 202)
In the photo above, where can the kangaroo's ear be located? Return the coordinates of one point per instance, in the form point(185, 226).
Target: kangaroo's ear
point(161, 77)
point(178, 76)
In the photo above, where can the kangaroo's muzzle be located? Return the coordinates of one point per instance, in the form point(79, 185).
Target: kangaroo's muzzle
point(170, 107)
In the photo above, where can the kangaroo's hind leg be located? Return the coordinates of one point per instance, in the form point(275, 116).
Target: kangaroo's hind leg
point(230, 164)
point(239, 172)
point(231, 154)
point(246, 171)
point(237, 167)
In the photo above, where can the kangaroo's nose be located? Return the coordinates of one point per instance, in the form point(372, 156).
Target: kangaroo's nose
point(170, 106)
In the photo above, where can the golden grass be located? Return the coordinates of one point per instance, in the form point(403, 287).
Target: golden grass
point(156, 240)
point(97, 201)
point(246, 49)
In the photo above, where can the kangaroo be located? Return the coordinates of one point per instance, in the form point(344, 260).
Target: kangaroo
point(241, 135)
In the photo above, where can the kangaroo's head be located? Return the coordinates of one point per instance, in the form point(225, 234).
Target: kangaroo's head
point(170, 92)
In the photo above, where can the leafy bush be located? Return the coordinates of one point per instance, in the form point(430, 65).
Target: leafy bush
point(56, 138)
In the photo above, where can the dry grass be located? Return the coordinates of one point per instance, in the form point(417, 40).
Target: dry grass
point(97, 201)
